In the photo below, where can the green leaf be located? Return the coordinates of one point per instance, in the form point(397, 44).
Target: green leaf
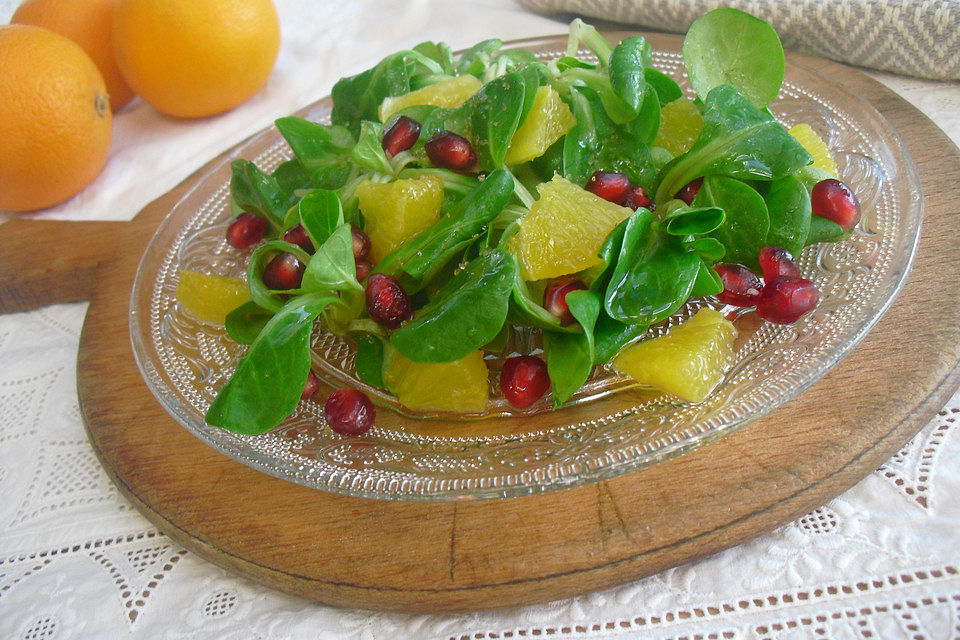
point(368, 362)
point(255, 192)
point(245, 323)
point(788, 204)
point(268, 381)
point(570, 356)
point(744, 232)
point(291, 176)
point(610, 336)
point(738, 141)
point(490, 117)
point(654, 274)
point(368, 152)
point(332, 267)
point(476, 59)
point(708, 282)
point(596, 143)
point(825, 230)
point(627, 64)
point(666, 87)
point(440, 53)
point(466, 313)
point(685, 221)
point(728, 46)
point(323, 151)
point(357, 98)
point(526, 311)
point(320, 214)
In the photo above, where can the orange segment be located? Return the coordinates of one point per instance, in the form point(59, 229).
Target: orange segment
point(688, 361)
point(549, 119)
point(815, 146)
point(680, 124)
point(448, 94)
point(209, 297)
point(395, 211)
point(563, 230)
point(459, 386)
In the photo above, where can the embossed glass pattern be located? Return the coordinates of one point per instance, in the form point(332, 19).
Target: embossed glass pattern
point(612, 426)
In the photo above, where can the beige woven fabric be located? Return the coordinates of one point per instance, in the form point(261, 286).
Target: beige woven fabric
point(913, 37)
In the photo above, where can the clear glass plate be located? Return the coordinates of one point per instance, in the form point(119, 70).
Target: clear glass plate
point(612, 426)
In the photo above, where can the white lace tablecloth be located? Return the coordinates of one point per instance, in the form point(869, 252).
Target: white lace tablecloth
point(78, 561)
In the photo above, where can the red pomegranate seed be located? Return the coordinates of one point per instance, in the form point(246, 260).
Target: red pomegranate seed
point(361, 243)
point(638, 198)
point(450, 151)
point(400, 135)
point(777, 261)
point(246, 230)
point(611, 186)
point(363, 270)
point(690, 191)
point(311, 386)
point(283, 272)
point(349, 412)
point(387, 303)
point(835, 201)
point(784, 299)
point(524, 380)
point(555, 297)
point(741, 286)
point(298, 235)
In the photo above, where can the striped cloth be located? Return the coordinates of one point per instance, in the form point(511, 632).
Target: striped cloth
point(918, 38)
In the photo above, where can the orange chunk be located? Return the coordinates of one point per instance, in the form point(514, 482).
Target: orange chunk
point(459, 386)
point(563, 231)
point(210, 297)
point(688, 361)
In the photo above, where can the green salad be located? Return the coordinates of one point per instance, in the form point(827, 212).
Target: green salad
point(453, 201)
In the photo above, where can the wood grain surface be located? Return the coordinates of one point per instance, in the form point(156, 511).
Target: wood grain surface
point(433, 557)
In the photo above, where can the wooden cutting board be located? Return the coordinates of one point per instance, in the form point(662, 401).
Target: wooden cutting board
point(434, 557)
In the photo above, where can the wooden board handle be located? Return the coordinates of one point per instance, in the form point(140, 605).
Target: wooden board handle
point(45, 262)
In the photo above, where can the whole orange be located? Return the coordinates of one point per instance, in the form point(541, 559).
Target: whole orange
point(88, 23)
point(195, 58)
point(54, 118)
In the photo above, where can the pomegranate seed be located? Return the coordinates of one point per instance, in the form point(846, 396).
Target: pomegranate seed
point(784, 299)
point(246, 230)
point(741, 286)
point(311, 386)
point(690, 191)
point(555, 297)
point(361, 243)
point(835, 201)
point(283, 272)
point(524, 380)
point(363, 270)
point(349, 412)
point(298, 235)
point(387, 303)
point(611, 186)
point(777, 261)
point(450, 151)
point(638, 198)
point(401, 135)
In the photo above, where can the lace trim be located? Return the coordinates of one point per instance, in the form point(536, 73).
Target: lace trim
point(770, 602)
point(913, 478)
